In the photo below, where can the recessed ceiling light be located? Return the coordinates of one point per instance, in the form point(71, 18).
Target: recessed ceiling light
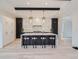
point(46, 3)
point(28, 3)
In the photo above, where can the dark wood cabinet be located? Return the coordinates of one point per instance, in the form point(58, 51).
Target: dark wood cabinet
point(54, 25)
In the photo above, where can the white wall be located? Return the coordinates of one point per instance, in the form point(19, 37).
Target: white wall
point(67, 27)
point(8, 30)
point(75, 23)
point(1, 32)
point(71, 10)
point(75, 30)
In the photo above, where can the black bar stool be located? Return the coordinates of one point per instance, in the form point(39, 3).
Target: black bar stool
point(43, 42)
point(52, 41)
point(26, 41)
point(34, 39)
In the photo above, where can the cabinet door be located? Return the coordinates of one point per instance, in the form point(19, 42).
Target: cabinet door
point(54, 25)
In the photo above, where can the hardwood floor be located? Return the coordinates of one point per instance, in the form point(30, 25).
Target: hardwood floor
point(14, 51)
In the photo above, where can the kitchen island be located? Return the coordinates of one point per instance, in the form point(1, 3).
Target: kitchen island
point(35, 39)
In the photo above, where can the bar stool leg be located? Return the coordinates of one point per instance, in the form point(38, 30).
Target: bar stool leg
point(45, 44)
point(33, 46)
point(42, 45)
point(33, 43)
point(26, 46)
point(52, 46)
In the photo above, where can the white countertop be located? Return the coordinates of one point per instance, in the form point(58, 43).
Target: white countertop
point(38, 34)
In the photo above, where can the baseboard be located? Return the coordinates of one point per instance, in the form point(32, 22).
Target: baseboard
point(8, 44)
point(75, 48)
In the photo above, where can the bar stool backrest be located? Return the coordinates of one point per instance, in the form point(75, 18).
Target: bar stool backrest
point(52, 38)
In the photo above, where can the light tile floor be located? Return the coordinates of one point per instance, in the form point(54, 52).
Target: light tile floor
point(63, 51)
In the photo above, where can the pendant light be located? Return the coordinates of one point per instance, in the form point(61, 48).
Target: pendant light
point(43, 18)
point(31, 15)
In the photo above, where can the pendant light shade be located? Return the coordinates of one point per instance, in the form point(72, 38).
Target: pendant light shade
point(31, 15)
point(43, 16)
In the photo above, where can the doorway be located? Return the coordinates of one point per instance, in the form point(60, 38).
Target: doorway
point(67, 30)
point(19, 22)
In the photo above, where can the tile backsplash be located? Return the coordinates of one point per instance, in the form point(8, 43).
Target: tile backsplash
point(32, 25)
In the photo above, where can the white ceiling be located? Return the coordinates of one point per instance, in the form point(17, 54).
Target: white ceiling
point(7, 6)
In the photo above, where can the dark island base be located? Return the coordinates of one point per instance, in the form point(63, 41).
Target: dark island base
point(35, 40)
